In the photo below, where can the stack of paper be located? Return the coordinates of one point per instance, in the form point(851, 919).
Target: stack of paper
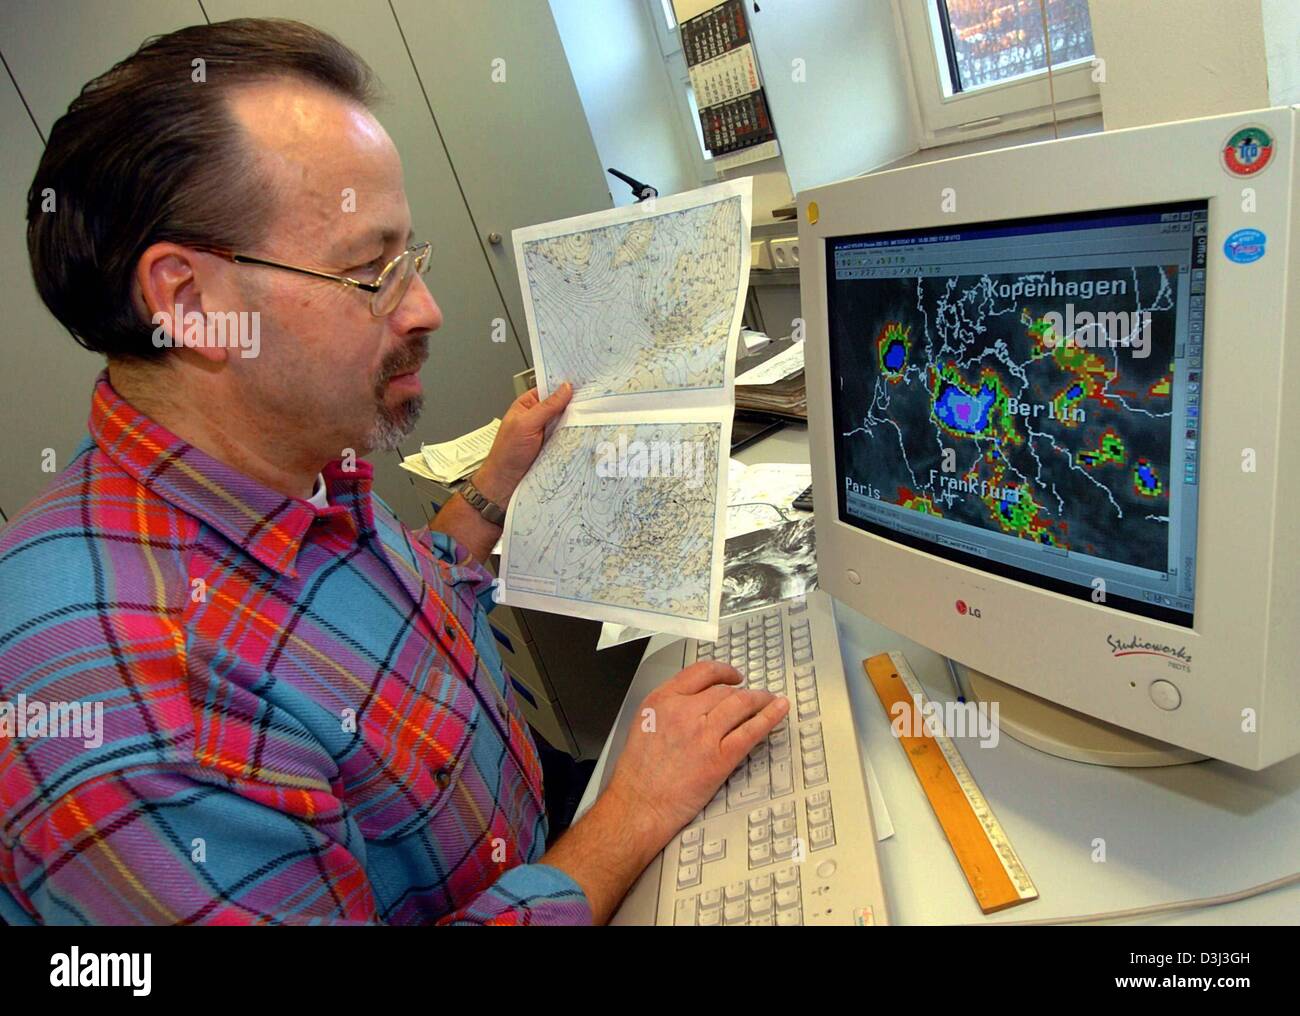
point(776, 385)
point(453, 460)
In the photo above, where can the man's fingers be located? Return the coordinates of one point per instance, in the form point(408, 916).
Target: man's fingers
point(708, 699)
point(704, 674)
point(550, 407)
point(528, 399)
point(735, 709)
point(738, 743)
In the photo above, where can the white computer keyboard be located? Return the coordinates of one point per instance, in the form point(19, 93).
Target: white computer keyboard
point(788, 839)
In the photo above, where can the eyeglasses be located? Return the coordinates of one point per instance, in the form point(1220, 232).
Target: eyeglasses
point(386, 291)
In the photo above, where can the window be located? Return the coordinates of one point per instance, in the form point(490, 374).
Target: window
point(987, 41)
point(980, 66)
point(665, 26)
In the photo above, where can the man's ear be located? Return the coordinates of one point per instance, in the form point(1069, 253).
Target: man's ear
point(169, 282)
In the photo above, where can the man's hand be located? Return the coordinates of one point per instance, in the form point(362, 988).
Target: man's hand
point(686, 738)
point(518, 442)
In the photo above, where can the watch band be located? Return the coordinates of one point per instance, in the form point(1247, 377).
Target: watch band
point(490, 510)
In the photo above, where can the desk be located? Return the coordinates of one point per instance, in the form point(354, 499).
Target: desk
point(1170, 834)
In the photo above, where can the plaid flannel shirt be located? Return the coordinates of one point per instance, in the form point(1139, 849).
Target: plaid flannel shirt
point(304, 715)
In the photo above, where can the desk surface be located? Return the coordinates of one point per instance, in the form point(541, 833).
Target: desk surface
point(1169, 834)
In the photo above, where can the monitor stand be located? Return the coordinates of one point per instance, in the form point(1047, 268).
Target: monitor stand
point(1065, 733)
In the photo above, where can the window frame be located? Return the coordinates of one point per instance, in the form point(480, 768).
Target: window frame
point(679, 80)
point(992, 109)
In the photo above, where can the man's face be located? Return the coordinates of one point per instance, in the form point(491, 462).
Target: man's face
point(330, 375)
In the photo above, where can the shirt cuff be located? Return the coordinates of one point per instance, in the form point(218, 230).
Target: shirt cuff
point(528, 894)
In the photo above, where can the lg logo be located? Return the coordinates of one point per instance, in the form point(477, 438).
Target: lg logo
point(964, 608)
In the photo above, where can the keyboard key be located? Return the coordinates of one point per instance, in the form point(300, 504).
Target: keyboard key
point(711, 898)
point(762, 922)
point(714, 849)
point(821, 836)
point(760, 884)
point(789, 918)
point(783, 810)
point(734, 913)
point(760, 854)
point(689, 855)
point(782, 848)
point(814, 757)
point(819, 816)
point(735, 891)
point(743, 797)
point(787, 898)
point(759, 834)
point(814, 776)
point(710, 918)
point(761, 905)
point(783, 827)
point(692, 836)
point(688, 875)
point(819, 798)
point(684, 912)
point(786, 876)
point(782, 778)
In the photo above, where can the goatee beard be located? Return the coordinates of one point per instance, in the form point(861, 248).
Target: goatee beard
point(392, 426)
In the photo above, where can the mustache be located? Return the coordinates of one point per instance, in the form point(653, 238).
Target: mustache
point(404, 360)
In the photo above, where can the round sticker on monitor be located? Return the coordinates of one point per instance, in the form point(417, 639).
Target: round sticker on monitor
point(1245, 246)
point(1248, 151)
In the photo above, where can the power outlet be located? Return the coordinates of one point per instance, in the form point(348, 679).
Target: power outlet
point(785, 252)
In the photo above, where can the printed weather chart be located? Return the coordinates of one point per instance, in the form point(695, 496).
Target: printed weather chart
point(622, 517)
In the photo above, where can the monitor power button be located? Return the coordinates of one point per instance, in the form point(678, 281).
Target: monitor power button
point(1166, 695)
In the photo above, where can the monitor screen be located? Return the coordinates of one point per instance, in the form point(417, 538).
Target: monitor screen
point(1024, 397)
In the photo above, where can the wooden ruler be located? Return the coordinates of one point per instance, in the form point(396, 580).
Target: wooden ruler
point(986, 856)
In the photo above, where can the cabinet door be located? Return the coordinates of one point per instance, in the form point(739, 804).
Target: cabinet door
point(52, 48)
point(499, 86)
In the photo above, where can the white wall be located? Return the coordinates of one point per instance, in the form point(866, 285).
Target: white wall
point(1282, 44)
point(852, 113)
point(1177, 60)
point(626, 93)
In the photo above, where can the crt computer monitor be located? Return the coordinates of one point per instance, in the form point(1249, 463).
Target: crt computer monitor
point(1051, 407)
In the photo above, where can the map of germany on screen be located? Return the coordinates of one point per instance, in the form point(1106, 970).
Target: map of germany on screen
point(1000, 380)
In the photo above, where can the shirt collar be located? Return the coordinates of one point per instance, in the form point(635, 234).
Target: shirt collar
point(267, 525)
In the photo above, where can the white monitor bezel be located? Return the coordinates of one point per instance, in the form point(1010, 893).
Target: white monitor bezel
point(1235, 645)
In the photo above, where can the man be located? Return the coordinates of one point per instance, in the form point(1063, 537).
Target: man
point(304, 718)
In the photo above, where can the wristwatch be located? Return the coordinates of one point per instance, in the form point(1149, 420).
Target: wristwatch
point(490, 510)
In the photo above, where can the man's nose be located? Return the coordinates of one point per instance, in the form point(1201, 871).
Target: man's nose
point(418, 311)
